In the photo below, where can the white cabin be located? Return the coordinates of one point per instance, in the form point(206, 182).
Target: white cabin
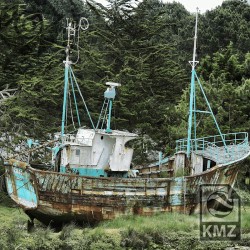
point(96, 153)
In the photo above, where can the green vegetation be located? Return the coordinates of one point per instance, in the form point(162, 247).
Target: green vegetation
point(146, 47)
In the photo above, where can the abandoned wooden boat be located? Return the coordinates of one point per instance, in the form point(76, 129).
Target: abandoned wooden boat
point(91, 178)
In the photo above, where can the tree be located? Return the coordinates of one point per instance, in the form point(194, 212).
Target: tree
point(25, 67)
point(226, 23)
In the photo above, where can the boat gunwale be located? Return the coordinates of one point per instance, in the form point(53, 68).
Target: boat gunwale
point(216, 167)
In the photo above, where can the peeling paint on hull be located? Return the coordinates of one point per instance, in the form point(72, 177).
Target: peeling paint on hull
point(61, 198)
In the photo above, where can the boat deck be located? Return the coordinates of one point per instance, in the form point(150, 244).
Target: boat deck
point(222, 155)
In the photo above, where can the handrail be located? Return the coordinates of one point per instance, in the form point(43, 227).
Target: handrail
point(214, 148)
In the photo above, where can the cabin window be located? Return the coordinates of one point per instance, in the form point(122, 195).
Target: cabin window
point(77, 152)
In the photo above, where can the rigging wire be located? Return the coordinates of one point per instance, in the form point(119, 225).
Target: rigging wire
point(79, 90)
point(100, 116)
point(76, 107)
point(71, 112)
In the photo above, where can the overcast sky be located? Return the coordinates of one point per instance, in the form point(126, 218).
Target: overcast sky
point(191, 5)
point(203, 5)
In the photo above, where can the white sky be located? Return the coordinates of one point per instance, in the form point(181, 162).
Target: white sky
point(191, 5)
point(203, 5)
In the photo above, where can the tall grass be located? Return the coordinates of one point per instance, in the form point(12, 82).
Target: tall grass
point(12, 215)
point(165, 222)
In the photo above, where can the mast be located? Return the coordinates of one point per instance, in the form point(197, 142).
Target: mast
point(192, 103)
point(72, 29)
point(71, 32)
point(192, 93)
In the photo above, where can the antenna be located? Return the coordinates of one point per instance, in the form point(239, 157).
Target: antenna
point(192, 102)
point(72, 30)
point(113, 84)
point(109, 95)
point(194, 62)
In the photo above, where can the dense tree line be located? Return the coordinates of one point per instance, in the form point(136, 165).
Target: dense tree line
point(143, 45)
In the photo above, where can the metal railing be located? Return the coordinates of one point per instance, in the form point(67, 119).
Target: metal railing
point(213, 147)
point(83, 140)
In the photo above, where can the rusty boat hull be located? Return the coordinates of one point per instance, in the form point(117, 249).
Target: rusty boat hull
point(57, 198)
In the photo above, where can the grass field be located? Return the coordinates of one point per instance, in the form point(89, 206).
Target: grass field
point(161, 231)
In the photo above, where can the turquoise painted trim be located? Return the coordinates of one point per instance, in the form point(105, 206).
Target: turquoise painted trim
point(192, 115)
point(240, 139)
point(25, 189)
point(177, 188)
point(201, 111)
point(74, 95)
point(195, 117)
point(85, 171)
point(55, 151)
point(237, 145)
point(190, 118)
point(85, 105)
point(29, 142)
point(108, 129)
point(65, 95)
point(26, 193)
point(93, 172)
point(158, 163)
